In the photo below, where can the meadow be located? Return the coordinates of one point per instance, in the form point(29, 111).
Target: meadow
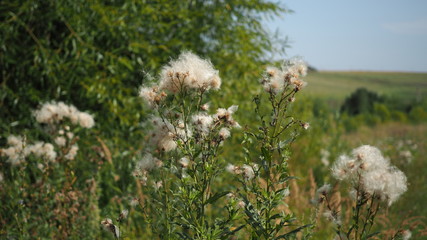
point(338, 85)
point(394, 137)
point(116, 187)
point(164, 120)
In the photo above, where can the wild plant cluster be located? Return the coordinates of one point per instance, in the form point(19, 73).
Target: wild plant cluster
point(39, 185)
point(180, 169)
point(187, 188)
point(373, 182)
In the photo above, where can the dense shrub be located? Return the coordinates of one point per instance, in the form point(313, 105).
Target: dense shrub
point(360, 101)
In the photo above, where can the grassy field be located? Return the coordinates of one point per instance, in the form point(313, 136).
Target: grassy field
point(338, 85)
point(391, 137)
point(326, 133)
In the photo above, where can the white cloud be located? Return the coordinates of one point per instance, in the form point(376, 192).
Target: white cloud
point(415, 27)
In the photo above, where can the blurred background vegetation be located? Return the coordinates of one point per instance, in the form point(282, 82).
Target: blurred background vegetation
point(96, 54)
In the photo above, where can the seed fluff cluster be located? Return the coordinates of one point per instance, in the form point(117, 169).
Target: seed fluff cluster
point(277, 80)
point(54, 113)
point(188, 72)
point(18, 150)
point(247, 171)
point(369, 170)
point(193, 76)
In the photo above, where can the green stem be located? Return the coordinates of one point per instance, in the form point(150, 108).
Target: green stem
point(167, 206)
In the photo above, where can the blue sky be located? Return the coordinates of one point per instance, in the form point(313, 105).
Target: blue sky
point(375, 35)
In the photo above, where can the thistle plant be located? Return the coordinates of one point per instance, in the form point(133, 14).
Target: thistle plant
point(42, 190)
point(178, 171)
point(374, 183)
point(264, 175)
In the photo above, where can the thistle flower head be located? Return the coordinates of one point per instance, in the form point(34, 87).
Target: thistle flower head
point(325, 189)
point(296, 67)
point(184, 162)
point(163, 134)
point(134, 201)
point(123, 215)
point(406, 234)
point(15, 152)
point(108, 226)
point(15, 141)
point(19, 150)
point(152, 95)
point(224, 133)
point(332, 217)
point(248, 172)
point(147, 162)
point(276, 80)
point(225, 116)
point(205, 107)
point(368, 169)
point(60, 141)
point(191, 72)
point(233, 169)
point(85, 120)
point(54, 113)
point(72, 152)
point(202, 123)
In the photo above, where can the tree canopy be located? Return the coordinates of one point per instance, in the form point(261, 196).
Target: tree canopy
point(94, 53)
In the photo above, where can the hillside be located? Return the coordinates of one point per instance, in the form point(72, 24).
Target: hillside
point(338, 85)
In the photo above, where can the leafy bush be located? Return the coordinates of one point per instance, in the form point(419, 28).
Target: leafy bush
point(360, 101)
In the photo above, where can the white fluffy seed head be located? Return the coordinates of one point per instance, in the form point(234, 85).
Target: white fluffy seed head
point(163, 133)
point(86, 120)
point(147, 162)
point(341, 169)
point(231, 168)
point(61, 141)
point(369, 168)
point(205, 107)
point(325, 189)
point(370, 157)
point(54, 113)
point(20, 150)
point(406, 234)
point(191, 72)
point(184, 162)
point(202, 122)
point(224, 133)
point(15, 140)
point(248, 172)
point(225, 116)
point(72, 152)
point(152, 95)
point(292, 70)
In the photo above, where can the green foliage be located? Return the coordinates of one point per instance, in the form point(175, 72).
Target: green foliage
point(45, 195)
point(92, 53)
point(418, 114)
point(266, 186)
point(95, 54)
point(382, 112)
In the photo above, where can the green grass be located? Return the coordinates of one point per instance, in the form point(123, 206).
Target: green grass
point(338, 85)
point(333, 88)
